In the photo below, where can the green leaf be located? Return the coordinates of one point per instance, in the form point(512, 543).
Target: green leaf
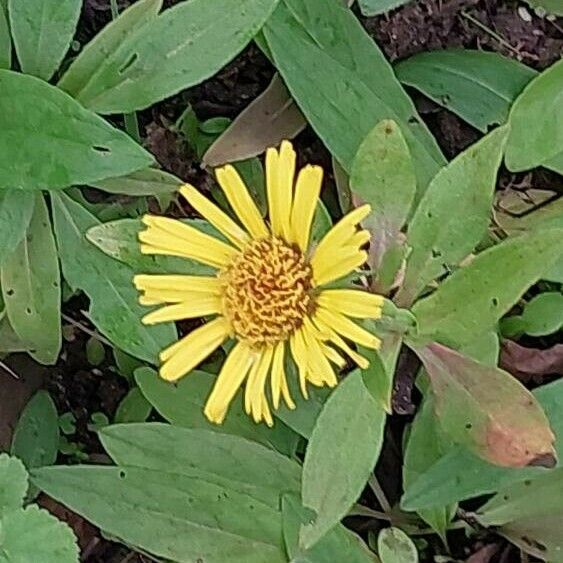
point(169, 515)
point(149, 181)
point(179, 48)
point(13, 483)
point(5, 39)
point(536, 121)
point(342, 82)
point(479, 86)
point(426, 445)
point(222, 459)
point(339, 543)
point(374, 7)
point(543, 314)
point(383, 176)
point(36, 436)
point(94, 55)
point(108, 284)
point(31, 287)
point(95, 351)
point(32, 534)
point(72, 146)
point(394, 546)
point(554, 7)
point(475, 297)
point(487, 410)
point(9, 340)
point(336, 468)
point(120, 240)
point(460, 475)
point(133, 407)
point(16, 208)
point(182, 404)
point(42, 31)
point(453, 214)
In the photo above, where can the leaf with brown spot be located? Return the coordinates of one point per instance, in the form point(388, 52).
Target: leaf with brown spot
point(487, 410)
point(269, 119)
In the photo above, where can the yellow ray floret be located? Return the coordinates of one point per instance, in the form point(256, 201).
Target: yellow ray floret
point(267, 292)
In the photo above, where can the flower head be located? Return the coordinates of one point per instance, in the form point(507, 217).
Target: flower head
point(267, 293)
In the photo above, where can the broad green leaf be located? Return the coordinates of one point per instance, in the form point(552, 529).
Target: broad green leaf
point(119, 239)
point(554, 7)
point(72, 145)
point(149, 181)
point(237, 463)
point(9, 340)
point(13, 483)
point(374, 7)
point(182, 404)
point(32, 534)
point(460, 475)
point(485, 348)
point(105, 43)
point(134, 407)
point(543, 314)
point(36, 436)
point(394, 546)
point(383, 176)
point(114, 306)
point(16, 208)
point(5, 39)
point(179, 48)
point(339, 543)
point(427, 444)
point(342, 82)
point(536, 121)
point(42, 31)
point(169, 515)
point(453, 214)
point(476, 296)
point(479, 86)
point(337, 468)
point(487, 410)
point(31, 287)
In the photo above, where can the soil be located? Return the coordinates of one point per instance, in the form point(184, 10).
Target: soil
point(420, 26)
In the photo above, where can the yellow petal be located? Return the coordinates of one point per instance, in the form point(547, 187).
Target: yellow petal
point(254, 392)
point(278, 371)
point(175, 289)
point(217, 217)
point(299, 353)
point(186, 310)
point(241, 202)
point(345, 327)
point(307, 194)
point(180, 358)
point(333, 355)
point(352, 302)
point(233, 373)
point(320, 370)
point(280, 171)
point(328, 271)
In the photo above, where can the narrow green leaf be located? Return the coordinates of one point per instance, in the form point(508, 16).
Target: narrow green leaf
point(5, 39)
point(479, 86)
point(106, 42)
point(476, 296)
point(32, 534)
point(487, 410)
point(394, 546)
point(16, 208)
point(182, 405)
point(374, 7)
point(179, 48)
point(72, 146)
point(13, 483)
point(453, 214)
point(536, 121)
point(133, 407)
point(460, 475)
point(149, 181)
point(342, 82)
point(31, 287)
point(383, 176)
point(337, 468)
point(42, 31)
point(241, 465)
point(169, 515)
point(107, 282)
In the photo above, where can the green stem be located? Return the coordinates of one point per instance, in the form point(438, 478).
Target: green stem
point(114, 8)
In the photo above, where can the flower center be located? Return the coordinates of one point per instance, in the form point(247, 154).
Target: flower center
point(267, 291)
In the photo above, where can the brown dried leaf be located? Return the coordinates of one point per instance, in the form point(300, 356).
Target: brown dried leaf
point(525, 363)
point(487, 410)
point(269, 119)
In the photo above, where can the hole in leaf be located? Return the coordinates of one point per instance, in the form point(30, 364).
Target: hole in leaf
point(413, 119)
point(128, 63)
point(99, 148)
point(10, 292)
point(122, 474)
point(494, 301)
point(28, 310)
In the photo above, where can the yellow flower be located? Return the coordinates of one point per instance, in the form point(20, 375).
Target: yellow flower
point(267, 292)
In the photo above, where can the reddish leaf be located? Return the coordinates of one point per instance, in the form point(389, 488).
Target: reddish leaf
point(525, 363)
point(487, 410)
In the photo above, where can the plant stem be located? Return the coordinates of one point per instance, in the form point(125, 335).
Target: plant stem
point(490, 32)
point(114, 8)
point(379, 494)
